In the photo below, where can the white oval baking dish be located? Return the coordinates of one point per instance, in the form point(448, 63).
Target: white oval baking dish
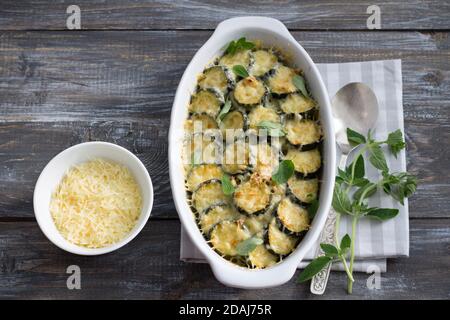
point(272, 33)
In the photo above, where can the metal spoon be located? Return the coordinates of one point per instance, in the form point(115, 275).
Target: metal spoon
point(354, 106)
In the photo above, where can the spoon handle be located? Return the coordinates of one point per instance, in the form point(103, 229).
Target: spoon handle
point(320, 280)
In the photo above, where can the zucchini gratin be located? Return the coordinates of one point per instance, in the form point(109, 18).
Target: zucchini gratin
point(250, 114)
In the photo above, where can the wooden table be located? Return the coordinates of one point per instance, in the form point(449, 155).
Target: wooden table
point(115, 79)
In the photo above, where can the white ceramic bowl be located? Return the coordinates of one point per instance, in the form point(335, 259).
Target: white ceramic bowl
point(271, 32)
point(56, 169)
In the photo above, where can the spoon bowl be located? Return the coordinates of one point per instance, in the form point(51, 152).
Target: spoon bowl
point(354, 106)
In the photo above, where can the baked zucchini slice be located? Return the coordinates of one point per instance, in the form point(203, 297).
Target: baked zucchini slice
point(296, 103)
point(263, 62)
point(293, 217)
point(261, 113)
point(226, 235)
point(280, 242)
point(264, 159)
point(302, 132)
point(236, 157)
point(280, 82)
point(305, 190)
point(252, 196)
point(215, 78)
point(202, 173)
point(216, 214)
point(257, 224)
point(240, 57)
point(261, 258)
point(234, 120)
point(207, 194)
point(305, 162)
point(249, 91)
point(206, 123)
point(206, 102)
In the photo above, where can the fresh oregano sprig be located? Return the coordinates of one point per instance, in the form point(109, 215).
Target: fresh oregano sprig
point(351, 192)
point(240, 44)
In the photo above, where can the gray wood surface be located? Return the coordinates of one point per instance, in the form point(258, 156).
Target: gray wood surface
point(204, 14)
point(59, 88)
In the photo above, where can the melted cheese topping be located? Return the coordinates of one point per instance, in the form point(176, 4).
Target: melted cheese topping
point(202, 173)
point(206, 123)
point(236, 157)
point(259, 114)
point(249, 91)
point(226, 236)
point(282, 82)
point(296, 103)
point(252, 196)
point(214, 78)
point(215, 215)
point(264, 61)
point(207, 195)
point(96, 204)
point(302, 132)
point(266, 160)
point(241, 57)
point(260, 257)
point(292, 216)
point(206, 102)
point(280, 242)
point(304, 161)
point(232, 120)
point(304, 190)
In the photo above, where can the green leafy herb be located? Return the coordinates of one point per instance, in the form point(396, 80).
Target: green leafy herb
point(248, 245)
point(355, 138)
point(395, 142)
point(313, 268)
point(227, 186)
point(240, 71)
point(352, 183)
point(274, 129)
point(300, 84)
point(284, 171)
point(225, 109)
point(383, 214)
point(312, 209)
point(241, 44)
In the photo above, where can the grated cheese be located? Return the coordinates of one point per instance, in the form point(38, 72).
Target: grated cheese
point(96, 204)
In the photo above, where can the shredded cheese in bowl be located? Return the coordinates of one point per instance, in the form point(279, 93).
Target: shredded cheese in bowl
point(96, 204)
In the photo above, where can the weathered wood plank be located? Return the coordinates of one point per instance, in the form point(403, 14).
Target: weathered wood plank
point(201, 14)
point(149, 268)
point(58, 89)
point(25, 149)
point(49, 76)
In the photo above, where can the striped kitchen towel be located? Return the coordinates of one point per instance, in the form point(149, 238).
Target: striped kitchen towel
point(376, 241)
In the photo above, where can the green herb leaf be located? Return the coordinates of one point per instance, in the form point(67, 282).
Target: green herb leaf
point(367, 190)
point(241, 44)
point(345, 243)
point(284, 171)
point(383, 214)
point(240, 71)
point(312, 209)
point(225, 109)
point(313, 268)
point(377, 158)
point(400, 185)
point(248, 245)
point(395, 142)
point(227, 186)
point(341, 202)
point(359, 169)
point(355, 138)
point(329, 250)
point(300, 84)
point(274, 129)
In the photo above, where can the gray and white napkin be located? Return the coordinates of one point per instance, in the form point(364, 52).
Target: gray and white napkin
point(376, 241)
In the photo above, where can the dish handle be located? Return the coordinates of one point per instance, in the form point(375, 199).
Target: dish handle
point(239, 23)
point(244, 278)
